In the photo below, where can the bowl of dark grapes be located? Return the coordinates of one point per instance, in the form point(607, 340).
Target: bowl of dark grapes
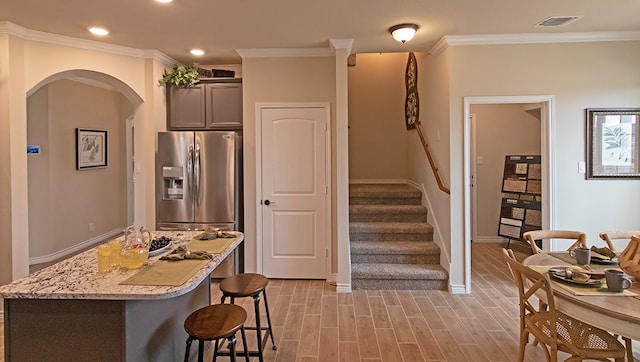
point(159, 245)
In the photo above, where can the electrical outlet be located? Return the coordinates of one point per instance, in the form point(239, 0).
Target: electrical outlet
point(91, 226)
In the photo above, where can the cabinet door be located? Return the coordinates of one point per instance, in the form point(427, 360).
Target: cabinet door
point(186, 107)
point(224, 105)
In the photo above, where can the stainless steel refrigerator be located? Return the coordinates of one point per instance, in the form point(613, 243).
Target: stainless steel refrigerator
point(198, 182)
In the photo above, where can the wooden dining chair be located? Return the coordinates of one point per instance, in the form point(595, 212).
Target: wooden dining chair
point(608, 236)
point(554, 330)
point(531, 237)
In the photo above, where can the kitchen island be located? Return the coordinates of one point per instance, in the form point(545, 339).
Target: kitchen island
point(69, 312)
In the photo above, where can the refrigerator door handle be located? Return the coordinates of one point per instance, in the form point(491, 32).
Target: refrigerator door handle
point(190, 167)
point(196, 173)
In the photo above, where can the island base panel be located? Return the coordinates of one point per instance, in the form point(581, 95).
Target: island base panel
point(63, 330)
point(100, 330)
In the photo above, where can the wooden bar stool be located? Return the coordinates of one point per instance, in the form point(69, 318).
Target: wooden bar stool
point(212, 323)
point(250, 285)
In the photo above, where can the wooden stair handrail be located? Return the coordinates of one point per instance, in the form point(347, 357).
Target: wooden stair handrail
point(431, 162)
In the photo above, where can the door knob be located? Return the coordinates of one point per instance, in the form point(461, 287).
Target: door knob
point(267, 202)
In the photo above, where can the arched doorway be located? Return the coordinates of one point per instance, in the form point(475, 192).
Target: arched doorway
point(70, 209)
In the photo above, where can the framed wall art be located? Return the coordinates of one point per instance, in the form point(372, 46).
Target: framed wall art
point(412, 100)
point(91, 148)
point(613, 143)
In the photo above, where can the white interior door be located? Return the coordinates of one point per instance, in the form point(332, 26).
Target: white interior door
point(294, 192)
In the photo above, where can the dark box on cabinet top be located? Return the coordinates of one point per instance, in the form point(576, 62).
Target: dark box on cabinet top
point(222, 73)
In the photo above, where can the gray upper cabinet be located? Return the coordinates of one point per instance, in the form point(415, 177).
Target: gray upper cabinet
point(206, 105)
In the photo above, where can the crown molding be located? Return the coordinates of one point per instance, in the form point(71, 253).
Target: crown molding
point(532, 38)
point(50, 38)
point(284, 52)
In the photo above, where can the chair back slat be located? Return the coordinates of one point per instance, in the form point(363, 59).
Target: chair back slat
point(609, 236)
point(580, 238)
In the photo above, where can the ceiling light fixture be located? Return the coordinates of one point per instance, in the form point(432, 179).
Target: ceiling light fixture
point(164, 1)
point(98, 31)
point(403, 32)
point(197, 52)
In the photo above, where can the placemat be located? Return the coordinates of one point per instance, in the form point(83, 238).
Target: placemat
point(214, 246)
point(166, 273)
point(601, 291)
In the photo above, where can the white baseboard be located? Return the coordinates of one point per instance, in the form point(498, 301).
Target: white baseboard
point(457, 289)
point(343, 288)
point(490, 239)
point(75, 248)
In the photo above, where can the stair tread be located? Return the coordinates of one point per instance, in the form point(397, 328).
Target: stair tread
point(393, 247)
point(398, 271)
point(395, 226)
point(395, 209)
point(391, 239)
point(383, 190)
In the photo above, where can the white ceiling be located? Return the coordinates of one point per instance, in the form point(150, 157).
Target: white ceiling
point(220, 26)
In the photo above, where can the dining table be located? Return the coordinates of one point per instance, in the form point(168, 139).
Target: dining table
point(618, 313)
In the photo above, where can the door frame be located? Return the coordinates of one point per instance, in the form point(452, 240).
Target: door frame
point(328, 177)
point(547, 138)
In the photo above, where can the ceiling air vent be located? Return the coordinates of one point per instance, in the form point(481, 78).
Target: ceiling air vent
point(557, 21)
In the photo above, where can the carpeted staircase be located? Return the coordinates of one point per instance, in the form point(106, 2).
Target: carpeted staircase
point(391, 241)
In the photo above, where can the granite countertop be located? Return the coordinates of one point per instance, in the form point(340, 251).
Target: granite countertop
point(77, 277)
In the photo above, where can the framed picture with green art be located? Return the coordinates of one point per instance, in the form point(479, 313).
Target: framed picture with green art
point(613, 143)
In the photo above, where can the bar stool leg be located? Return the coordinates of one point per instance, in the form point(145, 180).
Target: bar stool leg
point(244, 344)
point(186, 352)
point(232, 347)
point(266, 308)
point(256, 305)
point(215, 352)
point(200, 350)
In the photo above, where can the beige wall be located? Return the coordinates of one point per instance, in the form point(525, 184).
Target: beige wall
point(579, 75)
point(433, 90)
point(27, 65)
point(280, 80)
point(62, 200)
point(501, 130)
point(377, 131)
point(5, 162)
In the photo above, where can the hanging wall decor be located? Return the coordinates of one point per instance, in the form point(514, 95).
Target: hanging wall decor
point(613, 143)
point(91, 148)
point(412, 101)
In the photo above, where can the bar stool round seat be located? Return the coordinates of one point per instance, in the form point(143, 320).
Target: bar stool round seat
point(251, 285)
point(215, 322)
point(243, 285)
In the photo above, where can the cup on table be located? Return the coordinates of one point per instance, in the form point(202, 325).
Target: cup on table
point(116, 247)
point(616, 280)
point(104, 258)
point(582, 255)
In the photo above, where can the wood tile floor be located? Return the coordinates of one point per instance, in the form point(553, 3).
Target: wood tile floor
point(314, 323)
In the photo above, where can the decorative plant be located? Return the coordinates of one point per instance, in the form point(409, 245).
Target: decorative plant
point(181, 75)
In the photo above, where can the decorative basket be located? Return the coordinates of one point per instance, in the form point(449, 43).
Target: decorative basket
point(629, 259)
point(204, 73)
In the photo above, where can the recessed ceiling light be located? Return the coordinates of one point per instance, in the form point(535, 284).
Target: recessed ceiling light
point(98, 31)
point(197, 52)
point(164, 1)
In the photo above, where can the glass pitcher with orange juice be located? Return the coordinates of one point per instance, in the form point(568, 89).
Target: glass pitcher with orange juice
point(135, 249)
